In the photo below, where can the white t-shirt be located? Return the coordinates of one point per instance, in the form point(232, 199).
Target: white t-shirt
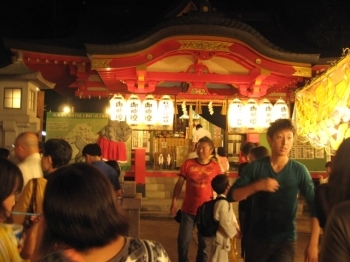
point(201, 132)
point(31, 168)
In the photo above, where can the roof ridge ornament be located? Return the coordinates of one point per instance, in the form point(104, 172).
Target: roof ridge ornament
point(346, 51)
point(205, 7)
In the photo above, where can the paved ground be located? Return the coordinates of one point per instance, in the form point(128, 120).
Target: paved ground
point(165, 231)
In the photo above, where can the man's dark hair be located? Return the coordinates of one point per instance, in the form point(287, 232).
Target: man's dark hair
point(59, 150)
point(259, 152)
point(220, 183)
point(4, 152)
point(278, 125)
point(198, 126)
point(328, 164)
point(206, 139)
point(245, 149)
point(221, 151)
point(92, 150)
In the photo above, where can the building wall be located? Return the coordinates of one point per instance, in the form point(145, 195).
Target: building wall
point(14, 121)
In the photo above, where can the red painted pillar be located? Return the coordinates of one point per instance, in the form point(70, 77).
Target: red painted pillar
point(140, 170)
point(255, 138)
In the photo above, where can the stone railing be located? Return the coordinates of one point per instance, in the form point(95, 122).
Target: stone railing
point(132, 205)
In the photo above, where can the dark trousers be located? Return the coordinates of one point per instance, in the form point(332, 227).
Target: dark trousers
point(256, 251)
point(241, 218)
point(185, 237)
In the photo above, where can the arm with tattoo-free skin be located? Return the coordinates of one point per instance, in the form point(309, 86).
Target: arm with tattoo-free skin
point(176, 194)
point(311, 250)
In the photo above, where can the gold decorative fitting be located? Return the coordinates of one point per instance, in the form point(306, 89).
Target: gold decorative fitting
point(204, 45)
point(302, 71)
point(224, 108)
point(149, 56)
point(258, 61)
point(101, 63)
point(346, 51)
point(198, 91)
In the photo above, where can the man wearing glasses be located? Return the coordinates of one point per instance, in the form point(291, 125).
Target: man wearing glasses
point(26, 149)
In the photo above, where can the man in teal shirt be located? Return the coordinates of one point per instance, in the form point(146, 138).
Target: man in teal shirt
point(274, 183)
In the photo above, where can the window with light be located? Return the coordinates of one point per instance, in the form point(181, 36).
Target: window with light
point(12, 97)
point(31, 100)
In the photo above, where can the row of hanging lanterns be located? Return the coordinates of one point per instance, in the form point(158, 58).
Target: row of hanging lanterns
point(147, 112)
point(255, 115)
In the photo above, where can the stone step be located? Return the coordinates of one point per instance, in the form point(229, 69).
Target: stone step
point(157, 207)
point(161, 187)
point(157, 194)
point(161, 194)
point(154, 214)
point(161, 180)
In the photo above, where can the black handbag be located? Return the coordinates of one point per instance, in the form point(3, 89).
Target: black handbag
point(177, 217)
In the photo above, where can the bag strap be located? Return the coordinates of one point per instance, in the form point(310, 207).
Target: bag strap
point(33, 199)
point(32, 206)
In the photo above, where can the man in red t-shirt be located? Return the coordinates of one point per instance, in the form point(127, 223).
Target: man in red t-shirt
point(198, 173)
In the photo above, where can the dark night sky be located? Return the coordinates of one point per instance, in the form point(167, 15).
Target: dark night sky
point(323, 25)
point(320, 26)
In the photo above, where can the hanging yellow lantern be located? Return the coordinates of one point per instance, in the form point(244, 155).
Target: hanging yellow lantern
point(117, 108)
point(280, 110)
point(235, 111)
point(265, 113)
point(134, 110)
point(149, 107)
point(166, 111)
point(250, 113)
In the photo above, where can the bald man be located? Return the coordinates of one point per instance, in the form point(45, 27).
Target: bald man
point(26, 149)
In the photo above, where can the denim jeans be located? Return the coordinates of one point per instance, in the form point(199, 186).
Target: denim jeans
point(185, 236)
point(269, 252)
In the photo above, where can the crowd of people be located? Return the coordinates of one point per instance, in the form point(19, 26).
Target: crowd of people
point(267, 188)
point(60, 207)
point(60, 204)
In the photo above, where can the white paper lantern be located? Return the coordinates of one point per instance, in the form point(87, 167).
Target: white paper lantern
point(280, 110)
point(265, 113)
point(117, 108)
point(134, 112)
point(235, 113)
point(165, 111)
point(149, 107)
point(250, 113)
